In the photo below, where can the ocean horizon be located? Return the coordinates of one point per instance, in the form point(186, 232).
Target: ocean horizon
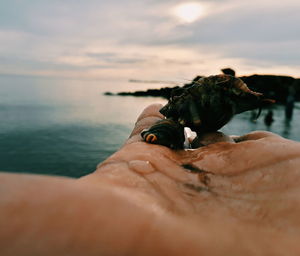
point(66, 126)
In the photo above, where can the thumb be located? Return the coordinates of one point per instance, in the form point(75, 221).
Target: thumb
point(147, 118)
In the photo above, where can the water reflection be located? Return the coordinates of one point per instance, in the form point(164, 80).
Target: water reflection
point(67, 128)
point(290, 101)
point(247, 122)
point(287, 128)
point(269, 118)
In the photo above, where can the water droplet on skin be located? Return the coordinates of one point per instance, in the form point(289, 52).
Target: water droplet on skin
point(140, 166)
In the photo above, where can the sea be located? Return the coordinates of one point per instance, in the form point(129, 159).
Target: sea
point(66, 126)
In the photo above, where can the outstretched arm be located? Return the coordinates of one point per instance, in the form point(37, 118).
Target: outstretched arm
point(222, 199)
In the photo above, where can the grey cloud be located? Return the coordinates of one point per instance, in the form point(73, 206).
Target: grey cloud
point(283, 54)
point(259, 25)
point(141, 21)
point(237, 25)
point(248, 32)
point(28, 64)
point(110, 57)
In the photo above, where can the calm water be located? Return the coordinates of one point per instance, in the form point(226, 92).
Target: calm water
point(66, 127)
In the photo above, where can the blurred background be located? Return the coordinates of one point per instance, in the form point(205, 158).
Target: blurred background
point(58, 57)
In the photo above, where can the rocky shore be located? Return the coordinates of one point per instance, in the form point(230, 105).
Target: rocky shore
point(273, 86)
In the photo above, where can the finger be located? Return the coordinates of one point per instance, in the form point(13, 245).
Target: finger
point(256, 135)
point(147, 118)
point(151, 111)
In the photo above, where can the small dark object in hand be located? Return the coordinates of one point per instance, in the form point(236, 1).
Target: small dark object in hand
point(206, 106)
point(166, 132)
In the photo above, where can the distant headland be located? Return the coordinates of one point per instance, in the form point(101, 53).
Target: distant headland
point(273, 86)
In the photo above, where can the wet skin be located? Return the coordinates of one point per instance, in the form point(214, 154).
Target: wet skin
point(224, 198)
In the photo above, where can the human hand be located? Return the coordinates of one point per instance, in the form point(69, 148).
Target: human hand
point(225, 198)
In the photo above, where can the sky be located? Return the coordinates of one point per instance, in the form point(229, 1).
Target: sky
point(148, 39)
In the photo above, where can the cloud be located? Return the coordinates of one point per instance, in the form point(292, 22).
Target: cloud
point(141, 38)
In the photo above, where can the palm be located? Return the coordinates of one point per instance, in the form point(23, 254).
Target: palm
point(251, 185)
point(222, 199)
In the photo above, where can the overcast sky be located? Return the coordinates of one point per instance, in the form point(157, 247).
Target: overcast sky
point(148, 39)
